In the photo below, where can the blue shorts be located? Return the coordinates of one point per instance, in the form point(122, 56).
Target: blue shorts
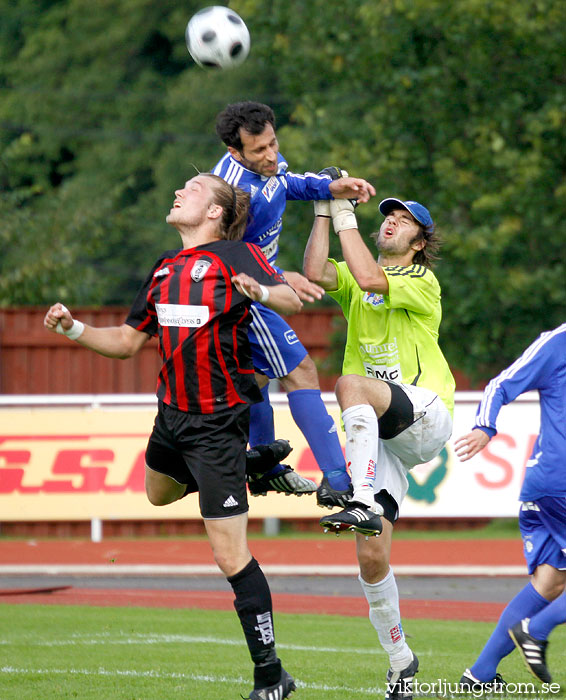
point(276, 350)
point(543, 529)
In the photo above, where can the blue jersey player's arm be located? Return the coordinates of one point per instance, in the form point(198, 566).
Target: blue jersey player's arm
point(313, 187)
point(308, 187)
point(530, 371)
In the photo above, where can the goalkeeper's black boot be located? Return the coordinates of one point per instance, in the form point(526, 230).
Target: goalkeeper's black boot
point(356, 517)
point(327, 497)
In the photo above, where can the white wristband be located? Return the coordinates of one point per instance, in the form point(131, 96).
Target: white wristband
point(74, 331)
point(322, 208)
point(264, 294)
point(344, 220)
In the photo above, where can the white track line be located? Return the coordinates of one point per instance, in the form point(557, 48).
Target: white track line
point(152, 639)
point(269, 569)
point(13, 670)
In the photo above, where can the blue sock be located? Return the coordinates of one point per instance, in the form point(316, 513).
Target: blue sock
point(525, 604)
point(262, 429)
point(316, 424)
point(542, 624)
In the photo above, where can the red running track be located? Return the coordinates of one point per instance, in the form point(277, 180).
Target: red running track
point(294, 551)
point(331, 550)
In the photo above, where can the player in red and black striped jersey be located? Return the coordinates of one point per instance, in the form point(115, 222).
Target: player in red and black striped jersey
point(201, 319)
point(197, 301)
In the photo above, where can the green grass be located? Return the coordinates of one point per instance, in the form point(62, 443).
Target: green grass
point(500, 528)
point(503, 528)
point(67, 652)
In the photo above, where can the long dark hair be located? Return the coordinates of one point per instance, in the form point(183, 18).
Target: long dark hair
point(235, 205)
point(428, 254)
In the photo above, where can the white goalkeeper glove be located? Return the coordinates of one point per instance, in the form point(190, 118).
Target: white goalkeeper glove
point(322, 208)
point(341, 210)
point(343, 217)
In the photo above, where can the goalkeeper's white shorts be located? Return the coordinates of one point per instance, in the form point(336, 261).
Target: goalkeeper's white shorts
point(419, 443)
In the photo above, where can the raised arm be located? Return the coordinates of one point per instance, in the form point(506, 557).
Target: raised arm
point(114, 341)
point(279, 297)
point(329, 182)
point(525, 374)
point(315, 260)
point(352, 187)
point(366, 270)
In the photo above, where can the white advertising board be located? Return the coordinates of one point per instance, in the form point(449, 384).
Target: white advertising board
point(79, 458)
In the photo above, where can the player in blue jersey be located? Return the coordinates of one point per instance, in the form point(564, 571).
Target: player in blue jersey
point(253, 162)
point(529, 618)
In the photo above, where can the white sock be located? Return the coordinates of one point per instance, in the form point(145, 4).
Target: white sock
point(362, 432)
point(385, 616)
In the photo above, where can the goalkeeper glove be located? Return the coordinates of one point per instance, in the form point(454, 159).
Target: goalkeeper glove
point(342, 212)
point(322, 206)
point(334, 172)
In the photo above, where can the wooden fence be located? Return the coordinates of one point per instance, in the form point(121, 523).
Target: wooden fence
point(34, 361)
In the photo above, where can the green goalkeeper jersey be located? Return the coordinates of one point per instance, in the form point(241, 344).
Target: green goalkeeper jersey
point(395, 336)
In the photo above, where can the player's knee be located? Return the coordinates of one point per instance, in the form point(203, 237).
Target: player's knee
point(308, 368)
point(553, 590)
point(156, 499)
point(261, 379)
point(349, 388)
point(374, 565)
point(228, 562)
point(344, 383)
point(304, 376)
point(223, 561)
point(549, 582)
point(157, 495)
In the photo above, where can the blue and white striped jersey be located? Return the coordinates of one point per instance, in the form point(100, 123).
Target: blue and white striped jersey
point(542, 367)
point(269, 197)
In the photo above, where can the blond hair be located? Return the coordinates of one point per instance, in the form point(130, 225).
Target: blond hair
point(235, 205)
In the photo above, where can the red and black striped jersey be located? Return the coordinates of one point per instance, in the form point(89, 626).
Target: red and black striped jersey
point(202, 321)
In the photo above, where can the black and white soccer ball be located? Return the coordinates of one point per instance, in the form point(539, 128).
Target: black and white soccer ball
point(217, 37)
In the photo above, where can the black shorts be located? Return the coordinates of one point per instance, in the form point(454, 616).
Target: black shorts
point(205, 452)
point(399, 416)
point(389, 505)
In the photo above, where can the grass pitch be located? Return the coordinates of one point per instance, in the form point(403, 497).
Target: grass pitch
point(73, 652)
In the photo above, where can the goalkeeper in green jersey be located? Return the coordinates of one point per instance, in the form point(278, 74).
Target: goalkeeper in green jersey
point(396, 392)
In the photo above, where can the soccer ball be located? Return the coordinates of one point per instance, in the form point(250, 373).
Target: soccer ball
point(217, 38)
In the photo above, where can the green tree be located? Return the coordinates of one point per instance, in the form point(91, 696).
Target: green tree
point(460, 105)
point(102, 115)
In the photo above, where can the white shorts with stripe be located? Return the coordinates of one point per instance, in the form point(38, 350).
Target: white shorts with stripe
point(417, 444)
